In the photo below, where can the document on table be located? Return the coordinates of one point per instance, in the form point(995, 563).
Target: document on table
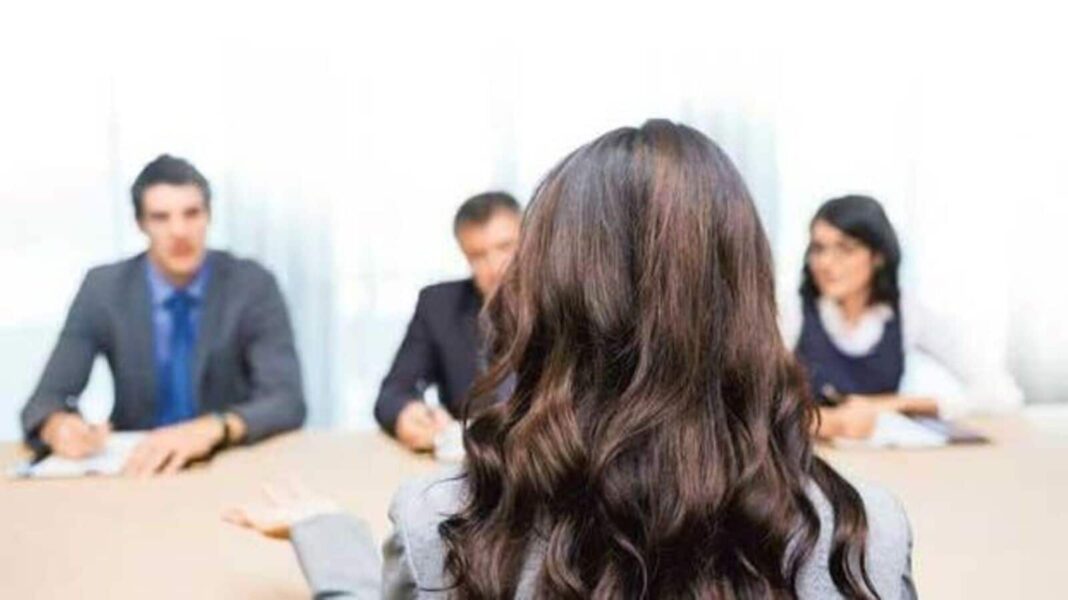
point(895, 430)
point(108, 462)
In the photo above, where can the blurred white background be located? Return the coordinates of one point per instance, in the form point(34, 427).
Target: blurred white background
point(341, 137)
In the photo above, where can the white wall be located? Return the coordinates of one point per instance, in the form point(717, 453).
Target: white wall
point(340, 139)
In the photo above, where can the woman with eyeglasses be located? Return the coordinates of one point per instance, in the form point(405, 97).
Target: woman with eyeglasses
point(857, 337)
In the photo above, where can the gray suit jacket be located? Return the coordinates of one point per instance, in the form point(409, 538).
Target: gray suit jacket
point(244, 362)
point(340, 561)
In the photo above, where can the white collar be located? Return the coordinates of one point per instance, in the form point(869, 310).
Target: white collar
point(859, 339)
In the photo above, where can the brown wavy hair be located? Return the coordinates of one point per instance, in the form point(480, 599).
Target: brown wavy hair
point(656, 443)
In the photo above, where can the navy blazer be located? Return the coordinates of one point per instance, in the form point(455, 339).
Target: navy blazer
point(441, 348)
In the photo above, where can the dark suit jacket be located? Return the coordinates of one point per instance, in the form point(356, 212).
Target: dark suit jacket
point(440, 348)
point(245, 360)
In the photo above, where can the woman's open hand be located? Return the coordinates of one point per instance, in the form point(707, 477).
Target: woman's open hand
point(287, 505)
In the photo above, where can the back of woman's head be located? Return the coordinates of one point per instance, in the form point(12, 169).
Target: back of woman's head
point(656, 443)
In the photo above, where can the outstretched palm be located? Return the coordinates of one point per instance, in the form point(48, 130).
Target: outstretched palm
point(286, 506)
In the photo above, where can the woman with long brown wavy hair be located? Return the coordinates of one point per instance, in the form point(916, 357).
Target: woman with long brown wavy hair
point(657, 441)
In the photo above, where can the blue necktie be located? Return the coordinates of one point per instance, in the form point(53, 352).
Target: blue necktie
point(176, 400)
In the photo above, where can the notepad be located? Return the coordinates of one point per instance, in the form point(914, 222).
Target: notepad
point(108, 462)
point(895, 430)
point(449, 443)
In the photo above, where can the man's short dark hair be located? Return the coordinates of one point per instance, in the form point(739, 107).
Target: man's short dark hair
point(170, 170)
point(477, 210)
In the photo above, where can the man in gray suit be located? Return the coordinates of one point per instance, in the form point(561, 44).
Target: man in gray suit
point(199, 342)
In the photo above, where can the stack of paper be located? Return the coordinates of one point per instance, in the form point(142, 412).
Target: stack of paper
point(898, 431)
point(108, 462)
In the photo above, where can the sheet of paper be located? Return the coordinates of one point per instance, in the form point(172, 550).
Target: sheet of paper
point(894, 430)
point(108, 462)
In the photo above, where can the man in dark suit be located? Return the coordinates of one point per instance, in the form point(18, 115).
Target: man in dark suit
point(198, 341)
point(441, 346)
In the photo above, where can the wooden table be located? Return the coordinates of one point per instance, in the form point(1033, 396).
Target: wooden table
point(988, 521)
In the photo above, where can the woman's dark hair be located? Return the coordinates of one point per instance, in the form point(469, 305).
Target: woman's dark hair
point(862, 218)
point(656, 443)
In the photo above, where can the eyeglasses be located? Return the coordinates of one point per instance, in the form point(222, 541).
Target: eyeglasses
point(837, 251)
